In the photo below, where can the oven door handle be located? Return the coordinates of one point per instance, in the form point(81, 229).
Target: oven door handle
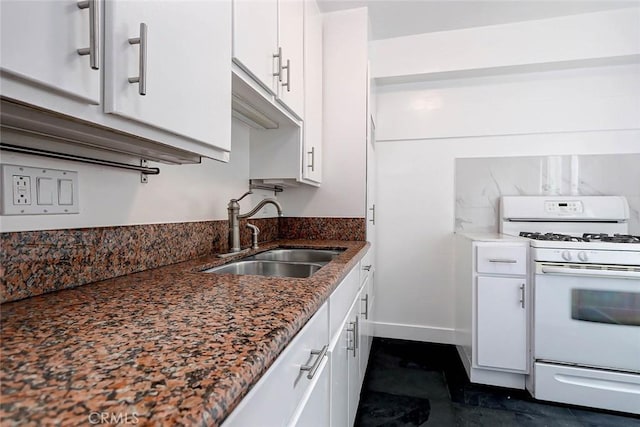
point(591, 273)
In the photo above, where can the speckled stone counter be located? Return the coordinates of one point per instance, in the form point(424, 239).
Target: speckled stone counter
point(165, 346)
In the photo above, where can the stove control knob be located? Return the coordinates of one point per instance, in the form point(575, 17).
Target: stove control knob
point(566, 255)
point(582, 256)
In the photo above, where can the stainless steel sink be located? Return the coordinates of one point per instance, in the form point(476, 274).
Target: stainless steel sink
point(317, 256)
point(267, 268)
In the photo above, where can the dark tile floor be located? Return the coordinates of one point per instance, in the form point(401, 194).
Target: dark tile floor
point(421, 384)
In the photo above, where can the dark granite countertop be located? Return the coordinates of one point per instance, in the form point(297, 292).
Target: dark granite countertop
point(170, 345)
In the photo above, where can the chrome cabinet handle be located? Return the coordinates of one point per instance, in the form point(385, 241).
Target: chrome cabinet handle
point(312, 369)
point(355, 336)
point(94, 33)
point(141, 79)
point(279, 56)
point(373, 214)
point(367, 267)
point(288, 68)
point(353, 329)
point(366, 306)
point(313, 159)
point(503, 261)
point(522, 295)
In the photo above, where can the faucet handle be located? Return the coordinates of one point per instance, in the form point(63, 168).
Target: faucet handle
point(243, 196)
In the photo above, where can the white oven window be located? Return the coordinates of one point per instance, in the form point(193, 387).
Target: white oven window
point(613, 307)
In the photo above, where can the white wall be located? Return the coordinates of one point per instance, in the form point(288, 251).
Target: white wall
point(111, 196)
point(582, 99)
point(423, 127)
point(342, 193)
point(560, 40)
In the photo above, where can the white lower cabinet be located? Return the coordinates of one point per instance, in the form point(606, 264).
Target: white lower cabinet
point(501, 320)
point(339, 360)
point(313, 410)
point(317, 379)
point(275, 398)
point(492, 309)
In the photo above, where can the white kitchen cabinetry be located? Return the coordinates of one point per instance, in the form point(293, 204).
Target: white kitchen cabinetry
point(291, 153)
point(286, 396)
point(501, 330)
point(314, 407)
point(255, 39)
point(275, 399)
point(51, 93)
point(312, 131)
point(268, 39)
point(39, 44)
point(492, 309)
point(186, 80)
point(291, 41)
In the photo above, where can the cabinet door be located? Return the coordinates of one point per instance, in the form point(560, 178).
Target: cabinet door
point(339, 363)
point(314, 408)
point(501, 323)
point(371, 184)
point(365, 330)
point(291, 40)
point(312, 156)
point(255, 39)
point(187, 66)
point(354, 362)
point(39, 43)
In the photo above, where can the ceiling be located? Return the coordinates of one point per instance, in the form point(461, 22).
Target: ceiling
point(395, 18)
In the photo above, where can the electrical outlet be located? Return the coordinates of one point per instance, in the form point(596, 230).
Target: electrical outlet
point(21, 190)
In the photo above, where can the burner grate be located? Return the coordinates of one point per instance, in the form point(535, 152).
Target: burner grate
point(586, 237)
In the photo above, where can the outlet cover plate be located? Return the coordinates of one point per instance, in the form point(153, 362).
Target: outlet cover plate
point(61, 197)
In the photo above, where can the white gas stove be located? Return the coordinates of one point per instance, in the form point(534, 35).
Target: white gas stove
point(586, 318)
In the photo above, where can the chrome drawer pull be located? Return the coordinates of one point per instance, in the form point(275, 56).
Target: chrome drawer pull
point(367, 267)
point(503, 261)
point(94, 33)
point(366, 306)
point(522, 295)
point(141, 79)
point(314, 368)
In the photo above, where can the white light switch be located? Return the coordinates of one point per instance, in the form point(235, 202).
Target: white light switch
point(44, 191)
point(65, 192)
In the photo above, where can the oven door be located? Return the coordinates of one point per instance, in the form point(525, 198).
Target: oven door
point(587, 315)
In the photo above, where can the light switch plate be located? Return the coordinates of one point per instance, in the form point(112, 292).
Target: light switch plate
point(38, 191)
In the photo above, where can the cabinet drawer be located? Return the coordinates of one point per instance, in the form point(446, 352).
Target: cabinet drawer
point(341, 299)
point(275, 397)
point(502, 259)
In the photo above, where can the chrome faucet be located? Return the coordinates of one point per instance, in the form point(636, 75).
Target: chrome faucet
point(234, 218)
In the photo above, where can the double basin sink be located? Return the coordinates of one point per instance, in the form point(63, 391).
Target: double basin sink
point(298, 263)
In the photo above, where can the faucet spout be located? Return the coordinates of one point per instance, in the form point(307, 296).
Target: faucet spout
point(260, 205)
point(234, 219)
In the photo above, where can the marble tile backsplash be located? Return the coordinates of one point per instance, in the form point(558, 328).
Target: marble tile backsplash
point(481, 181)
point(36, 262)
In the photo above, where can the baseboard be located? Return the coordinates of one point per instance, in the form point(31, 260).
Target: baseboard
point(414, 332)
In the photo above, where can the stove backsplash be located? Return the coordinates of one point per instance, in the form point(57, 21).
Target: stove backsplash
point(481, 181)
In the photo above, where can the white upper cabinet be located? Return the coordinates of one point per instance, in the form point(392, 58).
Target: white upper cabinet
point(66, 67)
point(291, 41)
point(312, 153)
point(268, 45)
point(183, 82)
point(255, 39)
point(40, 42)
